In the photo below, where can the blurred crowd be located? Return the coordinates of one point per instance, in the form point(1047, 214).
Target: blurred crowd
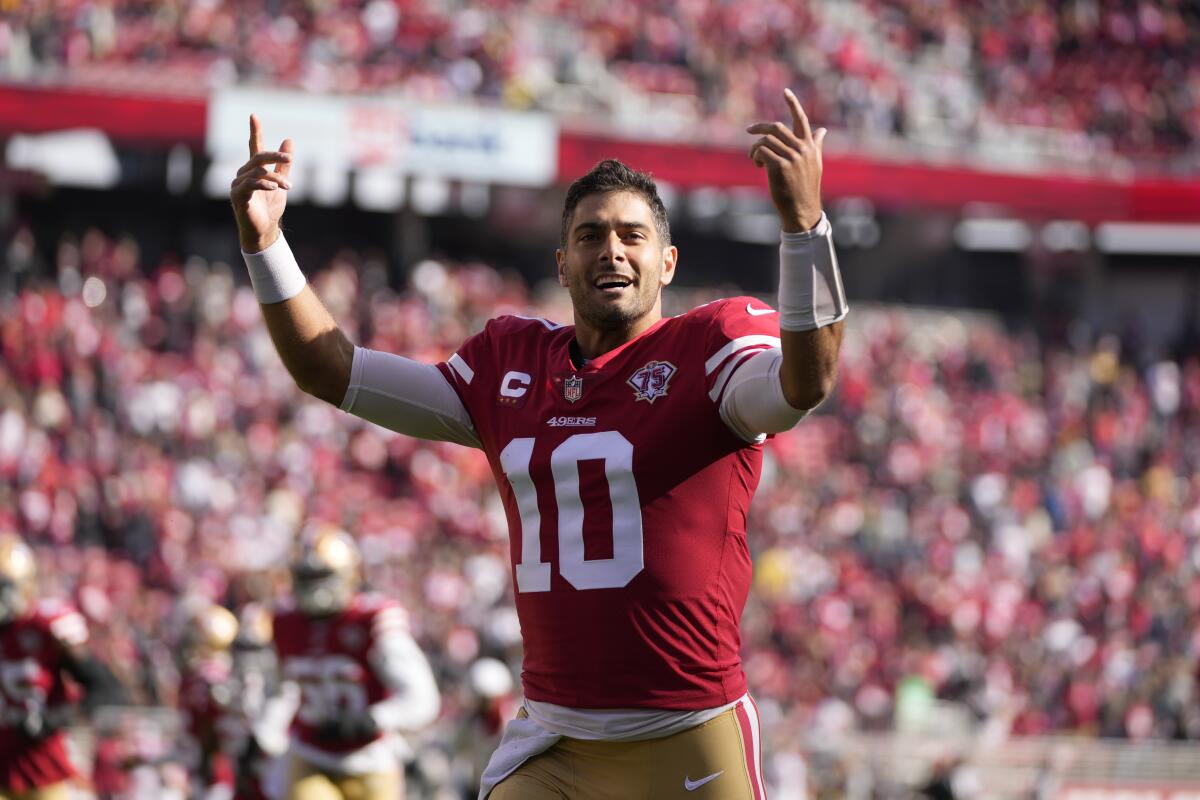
point(1125, 75)
point(978, 517)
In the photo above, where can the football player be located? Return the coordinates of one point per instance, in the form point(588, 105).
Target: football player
point(626, 448)
point(255, 749)
point(40, 644)
point(207, 694)
point(352, 672)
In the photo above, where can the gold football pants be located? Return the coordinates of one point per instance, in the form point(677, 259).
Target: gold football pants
point(309, 783)
point(55, 791)
point(718, 760)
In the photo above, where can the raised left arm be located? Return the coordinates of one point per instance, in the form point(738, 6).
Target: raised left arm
point(809, 369)
point(812, 301)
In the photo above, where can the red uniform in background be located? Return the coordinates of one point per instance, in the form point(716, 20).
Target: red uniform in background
point(627, 496)
point(33, 656)
point(205, 696)
point(328, 658)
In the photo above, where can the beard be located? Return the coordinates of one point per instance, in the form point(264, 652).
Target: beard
point(615, 315)
point(611, 315)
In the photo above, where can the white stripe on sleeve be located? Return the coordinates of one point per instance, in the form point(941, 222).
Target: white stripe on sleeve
point(462, 368)
point(732, 365)
point(733, 346)
point(753, 404)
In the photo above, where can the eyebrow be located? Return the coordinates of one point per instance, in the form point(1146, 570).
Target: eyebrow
point(597, 226)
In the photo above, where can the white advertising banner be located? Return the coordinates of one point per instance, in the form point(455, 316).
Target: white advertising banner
point(350, 132)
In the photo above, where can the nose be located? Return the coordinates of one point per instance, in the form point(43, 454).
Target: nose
point(613, 249)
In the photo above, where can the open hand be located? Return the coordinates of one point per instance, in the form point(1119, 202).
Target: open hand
point(259, 192)
point(792, 157)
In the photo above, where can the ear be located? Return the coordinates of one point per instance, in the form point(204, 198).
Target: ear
point(561, 258)
point(670, 258)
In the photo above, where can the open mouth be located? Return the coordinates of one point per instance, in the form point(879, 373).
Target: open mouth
point(612, 284)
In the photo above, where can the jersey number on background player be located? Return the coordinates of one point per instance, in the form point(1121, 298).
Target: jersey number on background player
point(330, 686)
point(533, 574)
point(21, 695)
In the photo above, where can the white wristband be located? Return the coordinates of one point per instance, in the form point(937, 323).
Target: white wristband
point(274, 273)
point(811, 294)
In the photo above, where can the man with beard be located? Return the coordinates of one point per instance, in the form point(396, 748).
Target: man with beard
point(626, 449)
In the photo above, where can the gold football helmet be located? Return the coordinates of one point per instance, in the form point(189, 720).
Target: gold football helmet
point(18, 574)
point(325, 570)
point(212, 631)
point(256, 629)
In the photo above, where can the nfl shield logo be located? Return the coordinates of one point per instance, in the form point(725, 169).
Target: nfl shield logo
point(650, 382)
point(573, 388)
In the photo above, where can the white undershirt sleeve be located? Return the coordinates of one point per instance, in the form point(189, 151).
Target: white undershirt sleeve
point(402, 667)
point(408, 397)
point(270, 728)
point(753, 404)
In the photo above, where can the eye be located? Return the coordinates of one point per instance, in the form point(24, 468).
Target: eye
point(635, 235)
point(586, 237)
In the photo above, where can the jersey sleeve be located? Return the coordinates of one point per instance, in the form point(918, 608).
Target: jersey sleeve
point(461, 370)
point(738, 329)
point(472, 373)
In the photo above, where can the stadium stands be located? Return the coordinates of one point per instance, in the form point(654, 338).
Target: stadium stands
point(1113, 77)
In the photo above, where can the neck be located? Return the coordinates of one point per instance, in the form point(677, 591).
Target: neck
point(594, 342)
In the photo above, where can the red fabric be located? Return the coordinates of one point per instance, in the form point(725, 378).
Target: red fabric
point(31, 661)
point(198, 696)
point(129, 118)
point(207, 712)
point(627, 624)
point(327, 657)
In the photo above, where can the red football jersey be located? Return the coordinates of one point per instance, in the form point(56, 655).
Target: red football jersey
point(32, 656)
point(626, 497)
point(328, 659)
point(205, 694)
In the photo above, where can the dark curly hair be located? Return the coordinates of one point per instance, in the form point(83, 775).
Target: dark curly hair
point(611, 175)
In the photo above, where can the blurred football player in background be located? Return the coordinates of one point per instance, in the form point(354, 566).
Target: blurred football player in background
point(206, 695)
point(352, 673)
point(41, 643)
point(230, 671)
point(255, 749)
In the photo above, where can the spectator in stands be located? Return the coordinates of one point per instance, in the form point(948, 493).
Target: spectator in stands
point(1112, 76)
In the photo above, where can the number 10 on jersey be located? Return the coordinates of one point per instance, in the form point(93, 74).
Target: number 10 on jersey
point(533, 574)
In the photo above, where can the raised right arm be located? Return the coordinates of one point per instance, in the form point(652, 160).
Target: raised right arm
point(392, 391)
point(312, 347)
point(309, 342)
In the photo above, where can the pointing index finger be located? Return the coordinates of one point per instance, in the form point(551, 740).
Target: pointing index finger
point(799, 118)
point(255, 136)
